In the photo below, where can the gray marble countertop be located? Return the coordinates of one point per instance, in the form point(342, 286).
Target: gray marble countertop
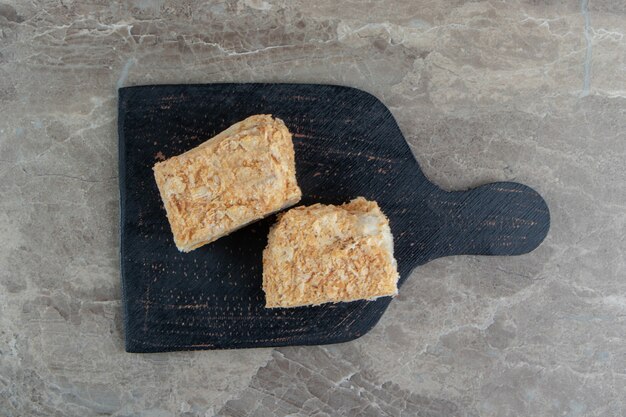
point(531, 91)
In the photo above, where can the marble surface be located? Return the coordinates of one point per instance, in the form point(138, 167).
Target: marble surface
point(526, 90)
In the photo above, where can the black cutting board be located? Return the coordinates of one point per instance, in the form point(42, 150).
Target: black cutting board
point(347, 144)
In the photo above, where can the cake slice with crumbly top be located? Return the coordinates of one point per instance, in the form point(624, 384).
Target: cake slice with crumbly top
point(325, 253)
point(241, 175)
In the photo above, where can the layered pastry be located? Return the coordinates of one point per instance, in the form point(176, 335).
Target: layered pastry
point(241, 175)
point(324, 253)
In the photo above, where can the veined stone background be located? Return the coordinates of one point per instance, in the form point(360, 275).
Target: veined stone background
point(526, 90)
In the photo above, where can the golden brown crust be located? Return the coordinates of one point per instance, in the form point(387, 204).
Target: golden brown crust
point(243, 174)
point(324, 253)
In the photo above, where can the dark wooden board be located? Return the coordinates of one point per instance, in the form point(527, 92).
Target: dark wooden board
point(347, 145)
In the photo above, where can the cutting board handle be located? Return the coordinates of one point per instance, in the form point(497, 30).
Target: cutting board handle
point(501, 218)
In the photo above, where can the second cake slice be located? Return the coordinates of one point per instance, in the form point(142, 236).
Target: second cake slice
point(241, 175)
point(323, 253)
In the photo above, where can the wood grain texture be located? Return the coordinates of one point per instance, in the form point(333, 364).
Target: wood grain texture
point(347, 145)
